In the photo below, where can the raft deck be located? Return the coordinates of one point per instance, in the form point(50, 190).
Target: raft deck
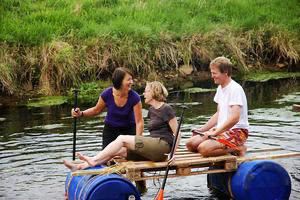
point(189, 164)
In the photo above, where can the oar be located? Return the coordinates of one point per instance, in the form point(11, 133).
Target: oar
point(74, 123)
point(225, 142)
point(160, 194)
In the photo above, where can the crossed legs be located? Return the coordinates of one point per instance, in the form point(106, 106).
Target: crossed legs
point(208, 147)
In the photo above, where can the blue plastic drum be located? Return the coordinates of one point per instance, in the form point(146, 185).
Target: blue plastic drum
point(255, 180)
point(265, 180)
point(106, 187)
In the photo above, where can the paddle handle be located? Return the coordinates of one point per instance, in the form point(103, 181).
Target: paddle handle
point(223, 141)
point(75, 123)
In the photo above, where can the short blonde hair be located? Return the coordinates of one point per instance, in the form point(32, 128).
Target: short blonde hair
point(158, 91)
point(224, 64)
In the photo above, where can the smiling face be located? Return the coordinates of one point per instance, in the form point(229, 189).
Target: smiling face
point(148, 94)
point(127, 82)
point(218, 77)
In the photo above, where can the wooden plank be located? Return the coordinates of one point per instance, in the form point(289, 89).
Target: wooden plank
point(200, 160)
point(189, 156)
point(173, 175)
point(183, 171)
point(181, 152)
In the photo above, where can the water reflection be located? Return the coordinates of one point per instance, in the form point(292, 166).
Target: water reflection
point(33, 141)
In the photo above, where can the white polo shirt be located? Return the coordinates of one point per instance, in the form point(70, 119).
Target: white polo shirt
point(232, 94)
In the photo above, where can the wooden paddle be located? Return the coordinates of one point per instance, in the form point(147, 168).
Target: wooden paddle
point(160, 194)
point(74, 123)
point(223, 141)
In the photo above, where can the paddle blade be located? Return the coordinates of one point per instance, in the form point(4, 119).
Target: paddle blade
point(160, 195)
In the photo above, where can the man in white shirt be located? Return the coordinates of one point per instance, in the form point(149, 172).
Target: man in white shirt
point(230, 122)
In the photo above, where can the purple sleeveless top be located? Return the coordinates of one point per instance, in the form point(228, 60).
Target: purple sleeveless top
point(120, 116)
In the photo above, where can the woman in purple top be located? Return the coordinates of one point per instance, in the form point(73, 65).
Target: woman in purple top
point(124, 108)
point(162, 127)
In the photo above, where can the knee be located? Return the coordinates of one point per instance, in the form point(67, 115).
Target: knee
point(123, 140)
point(189, 145)
point(120, 138)
point(203, 150)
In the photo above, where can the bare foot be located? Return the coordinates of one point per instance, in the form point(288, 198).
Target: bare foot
point(71, 165)
point(66, 196)
point(87, 159)
point(240, 151)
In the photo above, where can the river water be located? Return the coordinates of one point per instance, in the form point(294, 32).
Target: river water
point(34, 141)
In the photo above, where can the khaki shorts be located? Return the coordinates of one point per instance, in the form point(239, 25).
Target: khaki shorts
point(149, 148)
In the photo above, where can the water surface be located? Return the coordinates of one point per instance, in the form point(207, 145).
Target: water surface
point(34, 141)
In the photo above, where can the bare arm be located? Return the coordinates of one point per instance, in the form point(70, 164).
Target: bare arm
point(139, 120)
point(212, 122)
point(174, 125)
point(232, 120)
point(97, 109)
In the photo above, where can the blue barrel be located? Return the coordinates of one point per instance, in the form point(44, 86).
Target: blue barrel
point(255, 180)
point(106, 187)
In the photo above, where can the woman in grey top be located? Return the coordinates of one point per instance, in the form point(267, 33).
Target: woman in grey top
point(162, 127)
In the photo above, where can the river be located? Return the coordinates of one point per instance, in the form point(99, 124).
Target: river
point(34, 141)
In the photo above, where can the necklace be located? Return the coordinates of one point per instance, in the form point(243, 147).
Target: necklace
point(119, 94)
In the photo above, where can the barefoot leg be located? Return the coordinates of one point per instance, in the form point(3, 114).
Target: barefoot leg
point(87, 159)
point(73, 166)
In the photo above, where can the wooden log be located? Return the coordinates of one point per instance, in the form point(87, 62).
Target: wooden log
point(263, 157)
point(265, 150)
point(296, 108)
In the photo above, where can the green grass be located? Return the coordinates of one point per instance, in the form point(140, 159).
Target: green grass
point(58, 44)
point(35, 22)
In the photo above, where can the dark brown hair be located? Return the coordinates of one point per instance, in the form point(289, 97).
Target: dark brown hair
point(118, 76)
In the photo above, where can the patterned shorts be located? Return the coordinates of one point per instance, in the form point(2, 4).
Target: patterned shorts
point(237, 136)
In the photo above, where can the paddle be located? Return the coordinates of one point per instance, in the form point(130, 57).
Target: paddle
point(225, 142)
point(160, 194)
point(74, 123)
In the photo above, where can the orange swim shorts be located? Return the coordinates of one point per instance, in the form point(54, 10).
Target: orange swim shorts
point(237, 136)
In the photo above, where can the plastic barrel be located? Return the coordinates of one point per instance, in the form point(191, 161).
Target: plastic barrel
point(255, 180)
point(106, 187)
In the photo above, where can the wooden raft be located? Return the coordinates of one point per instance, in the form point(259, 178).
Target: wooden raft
point(188, 164)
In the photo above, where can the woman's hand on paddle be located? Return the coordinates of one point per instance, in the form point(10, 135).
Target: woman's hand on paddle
point(76, 112)
point(171, 160)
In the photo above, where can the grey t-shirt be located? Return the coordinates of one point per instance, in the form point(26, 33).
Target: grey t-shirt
point(159, 122)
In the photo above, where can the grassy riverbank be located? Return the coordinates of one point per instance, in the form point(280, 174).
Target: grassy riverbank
point(49, 46)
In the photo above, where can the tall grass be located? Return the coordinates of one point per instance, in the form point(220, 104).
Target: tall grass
point(35, 22)
point(54, 44)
